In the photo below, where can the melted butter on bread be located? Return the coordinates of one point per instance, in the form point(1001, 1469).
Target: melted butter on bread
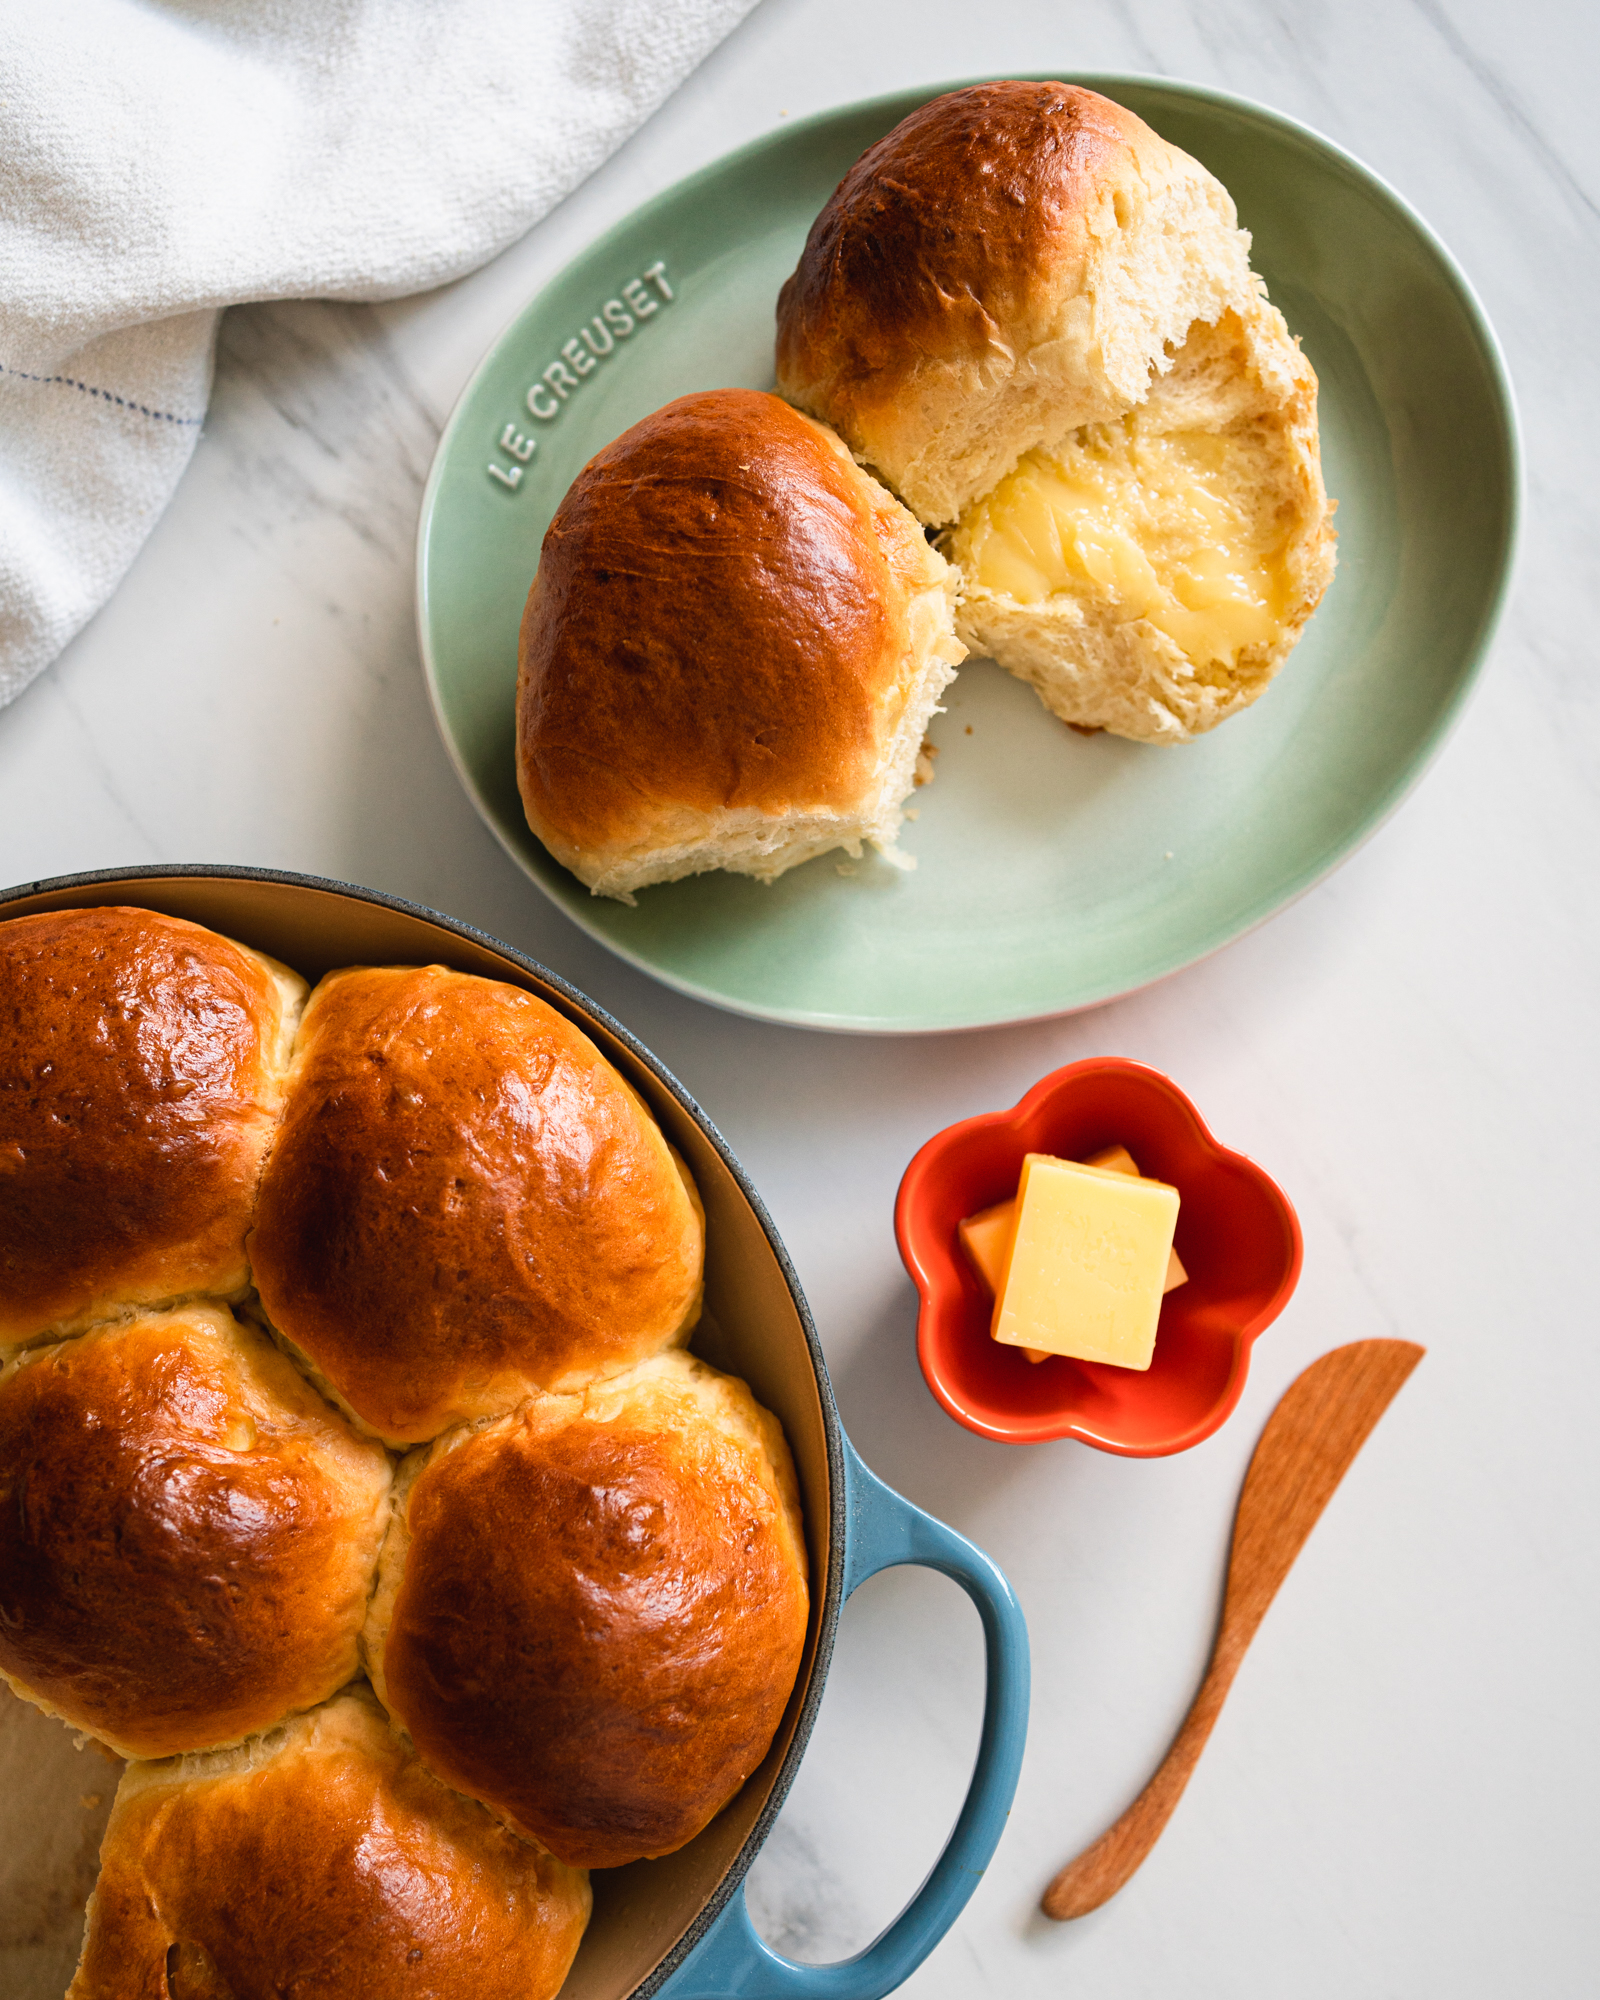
point(1148, 573)
point(1171, 526)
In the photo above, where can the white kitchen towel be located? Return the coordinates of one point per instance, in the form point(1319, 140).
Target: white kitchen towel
point(161, 159)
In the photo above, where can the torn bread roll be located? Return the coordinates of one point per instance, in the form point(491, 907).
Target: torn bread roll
point(1150, 575)
point(730, 653)
point(1037, 320)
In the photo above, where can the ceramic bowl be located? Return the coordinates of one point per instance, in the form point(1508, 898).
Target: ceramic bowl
point(1238, 1238)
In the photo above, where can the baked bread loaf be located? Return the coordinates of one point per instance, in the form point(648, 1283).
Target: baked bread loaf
point(191, 1533)
point(1037, 320)
point(320, 1861)
point(590, 1615)
point(141, 1073)
point(465, 1202)
point(730, 652)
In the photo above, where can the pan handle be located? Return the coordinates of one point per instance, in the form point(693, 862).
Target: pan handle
point(731, 1962)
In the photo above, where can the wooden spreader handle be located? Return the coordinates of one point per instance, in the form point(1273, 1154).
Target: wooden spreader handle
point(1325, 1417)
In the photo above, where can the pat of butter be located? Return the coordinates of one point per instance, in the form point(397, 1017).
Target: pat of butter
point(986, 1236)
point(1088, 1263)
point(1118, 1160)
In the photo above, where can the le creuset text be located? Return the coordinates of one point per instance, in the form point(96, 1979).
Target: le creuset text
point(638, 300)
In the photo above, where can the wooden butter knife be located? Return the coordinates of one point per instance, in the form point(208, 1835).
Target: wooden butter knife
point(1325, 1417)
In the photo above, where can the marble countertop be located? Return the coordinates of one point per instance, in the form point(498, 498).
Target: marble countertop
point(1399, 1797)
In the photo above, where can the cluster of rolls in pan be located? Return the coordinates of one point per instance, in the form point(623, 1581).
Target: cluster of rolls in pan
point(356, 1484)
point(1032, 403)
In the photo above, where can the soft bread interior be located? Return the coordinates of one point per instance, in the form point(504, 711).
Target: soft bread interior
point(1149, 575)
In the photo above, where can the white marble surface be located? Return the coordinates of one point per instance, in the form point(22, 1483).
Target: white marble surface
point(1399, 1799)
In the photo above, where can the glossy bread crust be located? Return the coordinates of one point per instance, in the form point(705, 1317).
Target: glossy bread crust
point(591, 1614)
point(190, 1533)
point(323, 1863)
point(141, 1072)
point(465, 1201)
point(726, 623)
point(940, 234)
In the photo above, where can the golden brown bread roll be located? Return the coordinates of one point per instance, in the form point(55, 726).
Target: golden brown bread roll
point(141, 1073)
point(730, 652)
point(1009, 263)
point(590, 1615)
point(465, 1201)
point(1037, 319)
point(321, 1862)
point(191, 1533)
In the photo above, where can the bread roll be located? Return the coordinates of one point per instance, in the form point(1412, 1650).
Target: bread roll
point(320, 1861)
point(190, 1533)
point(1150, 576)
point(141, 1075)
point(1038, 321)
point(465, 1202)
point(730, 652)
point(1009, 263)
point(590, 1615)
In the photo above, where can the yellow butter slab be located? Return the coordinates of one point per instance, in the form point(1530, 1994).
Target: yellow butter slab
point(1087, 1264)
point(986, 1236)
point(1118, 1160)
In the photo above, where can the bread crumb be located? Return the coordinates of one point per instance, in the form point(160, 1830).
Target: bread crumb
point(1169, 854)
point(923, 774)
point(844, 868)
point(913, 812)
point(969, 728)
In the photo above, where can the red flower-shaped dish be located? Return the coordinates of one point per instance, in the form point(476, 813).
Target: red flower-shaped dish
point(1238, 1238)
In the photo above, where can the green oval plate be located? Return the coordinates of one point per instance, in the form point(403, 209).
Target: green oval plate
point(1053, 871)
